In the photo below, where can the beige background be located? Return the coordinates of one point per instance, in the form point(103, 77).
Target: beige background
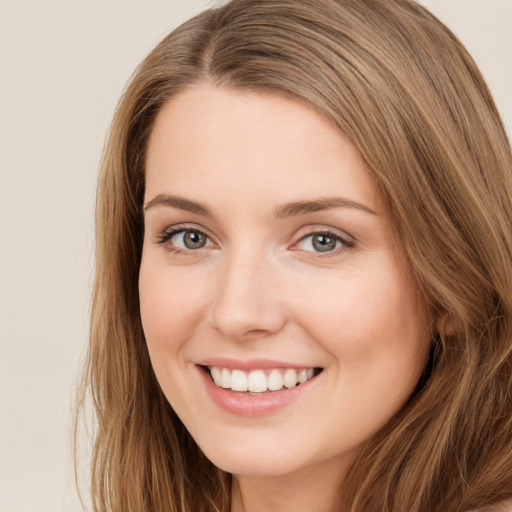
point(63, 65)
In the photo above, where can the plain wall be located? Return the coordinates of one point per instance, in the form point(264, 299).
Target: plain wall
point(63, 66)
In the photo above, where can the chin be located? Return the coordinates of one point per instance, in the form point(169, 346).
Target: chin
point(252, 456)
point(253, 467)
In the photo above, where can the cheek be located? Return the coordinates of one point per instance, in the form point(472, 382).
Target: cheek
point(171, 306)
point(372, 323)
point(172, 303)
point(378, 339)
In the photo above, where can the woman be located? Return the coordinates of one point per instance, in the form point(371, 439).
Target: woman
point(303, 292)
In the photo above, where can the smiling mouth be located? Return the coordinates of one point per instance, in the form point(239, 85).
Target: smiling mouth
point(257, 382)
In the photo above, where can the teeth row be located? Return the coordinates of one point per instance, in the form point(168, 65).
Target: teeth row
point(257, 381)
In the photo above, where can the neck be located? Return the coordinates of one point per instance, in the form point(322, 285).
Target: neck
point(307, 489)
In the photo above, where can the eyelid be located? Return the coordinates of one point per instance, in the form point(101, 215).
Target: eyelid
point(347, 240)
point(164, 236)
point(322, 228)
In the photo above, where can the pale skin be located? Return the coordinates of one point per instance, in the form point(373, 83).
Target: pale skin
point(296, 265)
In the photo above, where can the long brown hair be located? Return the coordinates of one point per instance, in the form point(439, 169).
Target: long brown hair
point(406, 93)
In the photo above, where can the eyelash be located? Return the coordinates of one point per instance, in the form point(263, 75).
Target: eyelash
point(165, 237)
point(346, 244)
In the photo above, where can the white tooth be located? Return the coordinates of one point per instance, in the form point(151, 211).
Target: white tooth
point(302, 376)
point(275, 380)
point(238, 380)
point(216, 375)
point(225, 378)
point(290, 378)
point(257, 381)
point(310, 373)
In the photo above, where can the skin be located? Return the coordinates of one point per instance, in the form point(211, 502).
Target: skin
point(259, 288)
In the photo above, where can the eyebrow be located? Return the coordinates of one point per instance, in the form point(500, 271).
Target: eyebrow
point(304, 207)
point(180, 203)
point(284, 211)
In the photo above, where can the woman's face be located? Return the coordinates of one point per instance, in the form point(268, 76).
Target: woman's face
point(268, 261)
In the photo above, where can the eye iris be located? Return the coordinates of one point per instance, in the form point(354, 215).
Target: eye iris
point(194, 240)
point(324, 243)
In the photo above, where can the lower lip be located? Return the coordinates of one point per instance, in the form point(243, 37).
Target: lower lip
point(243, 404)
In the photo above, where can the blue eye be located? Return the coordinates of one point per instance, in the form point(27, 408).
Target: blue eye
point(322, 242)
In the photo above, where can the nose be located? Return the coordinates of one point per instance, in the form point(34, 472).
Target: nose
point(247, 301)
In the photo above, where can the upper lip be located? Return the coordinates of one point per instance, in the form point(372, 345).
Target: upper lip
point(251, 364)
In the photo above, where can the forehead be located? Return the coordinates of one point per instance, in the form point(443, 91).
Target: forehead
point(229, 141)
